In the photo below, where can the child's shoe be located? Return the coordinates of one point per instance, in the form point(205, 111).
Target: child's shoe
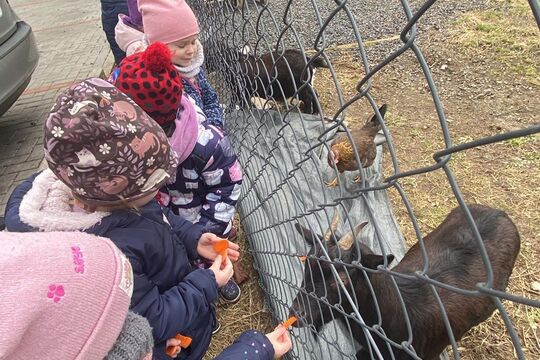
point(230, 292)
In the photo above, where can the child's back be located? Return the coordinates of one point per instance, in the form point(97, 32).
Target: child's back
point(209, 176)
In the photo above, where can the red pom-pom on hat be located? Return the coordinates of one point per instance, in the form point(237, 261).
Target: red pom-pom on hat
point(152, 81)
point(157, 57)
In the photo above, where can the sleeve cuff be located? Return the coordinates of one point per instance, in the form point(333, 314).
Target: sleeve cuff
point(259, 343)
point(205, 281)
point(193, 240)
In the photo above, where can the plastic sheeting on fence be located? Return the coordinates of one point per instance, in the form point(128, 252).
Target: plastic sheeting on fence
point(284, 183)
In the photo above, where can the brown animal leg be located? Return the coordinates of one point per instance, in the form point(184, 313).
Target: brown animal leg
point(240, 274)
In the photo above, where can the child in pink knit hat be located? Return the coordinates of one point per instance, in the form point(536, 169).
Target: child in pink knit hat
point(107, 159)
point(173, 22)
point(66, 296)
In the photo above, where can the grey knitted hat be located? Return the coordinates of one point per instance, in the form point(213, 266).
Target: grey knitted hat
point(135, 341)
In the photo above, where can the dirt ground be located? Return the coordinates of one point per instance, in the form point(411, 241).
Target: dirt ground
point(486, 68)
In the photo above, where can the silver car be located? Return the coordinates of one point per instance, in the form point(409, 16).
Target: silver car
point(18, 56)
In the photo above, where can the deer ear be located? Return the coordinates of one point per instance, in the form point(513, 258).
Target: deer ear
point(371, 261)
point(382, 110)
point(306, 233)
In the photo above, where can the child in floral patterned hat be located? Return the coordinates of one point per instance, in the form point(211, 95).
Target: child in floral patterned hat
point(107, 159)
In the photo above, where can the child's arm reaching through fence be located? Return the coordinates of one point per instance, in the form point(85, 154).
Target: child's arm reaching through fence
point(253, 345)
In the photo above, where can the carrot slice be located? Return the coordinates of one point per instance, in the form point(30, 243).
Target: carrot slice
point(302, 258)
point(171, 350)
point(221, 248)
point(287, 323)
point(185, 341)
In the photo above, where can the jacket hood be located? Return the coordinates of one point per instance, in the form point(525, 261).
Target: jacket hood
point(46, 206)
point(128, 38)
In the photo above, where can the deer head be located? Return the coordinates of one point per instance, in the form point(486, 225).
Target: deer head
point(320, 287)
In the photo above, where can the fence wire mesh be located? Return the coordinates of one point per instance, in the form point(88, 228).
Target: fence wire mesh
point(263, 57)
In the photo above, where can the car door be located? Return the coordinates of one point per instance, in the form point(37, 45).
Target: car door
point(8, 22)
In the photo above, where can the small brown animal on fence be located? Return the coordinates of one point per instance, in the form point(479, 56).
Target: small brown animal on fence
point(342, 153)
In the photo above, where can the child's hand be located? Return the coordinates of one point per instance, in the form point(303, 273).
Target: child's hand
point(206, 250)
point(280, 340)
point(173, 347)
point(223, 270)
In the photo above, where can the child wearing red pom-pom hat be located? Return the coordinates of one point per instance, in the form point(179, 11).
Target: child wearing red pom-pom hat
point(209, 176)
point(150, 80)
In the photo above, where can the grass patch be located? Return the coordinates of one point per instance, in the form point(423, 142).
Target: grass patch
point(520, 141)
point(507, 32)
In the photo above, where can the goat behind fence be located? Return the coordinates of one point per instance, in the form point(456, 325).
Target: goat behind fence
point(352, 299)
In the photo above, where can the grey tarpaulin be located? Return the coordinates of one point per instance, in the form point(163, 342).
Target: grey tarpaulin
point(284, 174)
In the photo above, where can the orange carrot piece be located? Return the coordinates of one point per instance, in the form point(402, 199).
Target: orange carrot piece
point(171, 350)
point(221, 247)
point(287, 323)
point(302, 258)
point(185, 341)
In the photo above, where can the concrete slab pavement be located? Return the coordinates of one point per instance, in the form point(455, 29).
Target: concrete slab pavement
point(72, 46)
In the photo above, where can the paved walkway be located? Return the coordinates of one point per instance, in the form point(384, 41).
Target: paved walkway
point(72, 47)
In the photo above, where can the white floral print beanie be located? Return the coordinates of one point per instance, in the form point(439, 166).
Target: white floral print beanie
point(104, 147)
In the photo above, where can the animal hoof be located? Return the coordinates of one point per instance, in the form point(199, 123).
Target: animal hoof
point(332, 183)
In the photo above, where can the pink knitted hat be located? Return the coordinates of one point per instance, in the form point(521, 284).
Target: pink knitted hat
point(167, 21)
point(62, 295)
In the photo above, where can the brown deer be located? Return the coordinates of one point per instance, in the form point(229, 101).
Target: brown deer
point(454, 259)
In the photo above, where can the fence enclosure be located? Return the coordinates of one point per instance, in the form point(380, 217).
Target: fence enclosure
point(283, 149)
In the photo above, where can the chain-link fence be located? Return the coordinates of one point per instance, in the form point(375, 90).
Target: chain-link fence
point(304, 232)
